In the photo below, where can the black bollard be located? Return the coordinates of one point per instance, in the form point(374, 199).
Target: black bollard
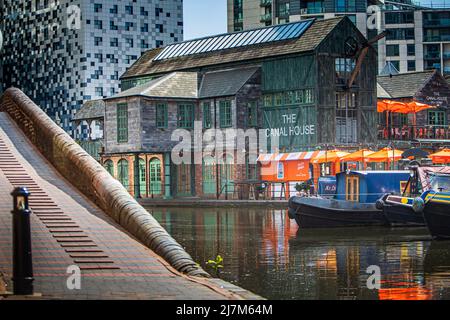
point(22, 258)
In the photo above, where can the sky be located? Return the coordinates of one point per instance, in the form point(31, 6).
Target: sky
point(204, 18)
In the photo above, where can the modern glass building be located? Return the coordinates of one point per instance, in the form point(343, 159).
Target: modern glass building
point(63, 53)
point(419, 36)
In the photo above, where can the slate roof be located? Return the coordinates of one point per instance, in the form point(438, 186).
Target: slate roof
point(308, 41)
point(93, 109)
point(404, 85)
point(225, 83)
point(181, 85)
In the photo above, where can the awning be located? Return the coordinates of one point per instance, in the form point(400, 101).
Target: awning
point(275, 157)
point(358, 156)
point(441, 157)
point(330, 156)
point(385, 155)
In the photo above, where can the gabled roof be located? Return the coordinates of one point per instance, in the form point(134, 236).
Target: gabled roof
point(91, 110)
point(308, 41)
point(225, 83)
point(404, 85)
point(178, 85)
point(381, 93)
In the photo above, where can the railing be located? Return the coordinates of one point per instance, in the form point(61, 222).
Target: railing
point(265, 3)
point(408, 133)
point(436, 38)
point(437, 23)
point(439, 4)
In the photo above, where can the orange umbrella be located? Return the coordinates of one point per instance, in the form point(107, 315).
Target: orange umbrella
point(385, 155)
point(441, 157)
point(358, 156)
point(389, 105)
point(402, 107)
point(330, 156)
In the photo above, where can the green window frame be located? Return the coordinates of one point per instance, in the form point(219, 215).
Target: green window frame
point(109, 166)
point(252, 114)
point(225, 114)
point(437, 118)
point(155, 177)
point(142, 178)
point(186, 116)
point(122, 122)
point(122, 173)
point(268, 100)
point(206, 115)
point(161, 116)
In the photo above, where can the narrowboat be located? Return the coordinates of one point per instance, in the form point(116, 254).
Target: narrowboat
point(436, 210)
point(354, 203)
point(399, 210)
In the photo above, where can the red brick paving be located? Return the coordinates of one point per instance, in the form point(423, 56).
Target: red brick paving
point(118, 266)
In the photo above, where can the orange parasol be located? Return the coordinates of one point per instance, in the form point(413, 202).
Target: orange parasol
point(385, 155)
point(402, 107)
point(330, 156)
point(441, 157)
point(358, 156)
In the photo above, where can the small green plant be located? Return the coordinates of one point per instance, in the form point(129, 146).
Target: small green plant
point(216, 264)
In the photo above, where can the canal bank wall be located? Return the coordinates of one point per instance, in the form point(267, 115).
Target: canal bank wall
point(88, 176)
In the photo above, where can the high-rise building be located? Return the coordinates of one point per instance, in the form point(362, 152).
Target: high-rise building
point(419, 37)
point(62, 53)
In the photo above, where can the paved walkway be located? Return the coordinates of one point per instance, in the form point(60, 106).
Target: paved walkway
point(68, 229)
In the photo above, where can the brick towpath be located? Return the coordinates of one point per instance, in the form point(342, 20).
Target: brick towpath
point(68, 229)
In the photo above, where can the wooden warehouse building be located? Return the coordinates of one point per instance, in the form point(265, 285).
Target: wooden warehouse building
point(293, 81)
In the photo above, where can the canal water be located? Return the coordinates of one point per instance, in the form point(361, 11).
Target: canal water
point(264, 252)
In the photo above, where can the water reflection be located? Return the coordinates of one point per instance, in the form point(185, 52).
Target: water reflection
point(266, 253)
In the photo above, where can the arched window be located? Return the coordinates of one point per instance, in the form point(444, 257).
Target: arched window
point(155, 176)
point(109, 166)
point(122, 173)
point(142, 178)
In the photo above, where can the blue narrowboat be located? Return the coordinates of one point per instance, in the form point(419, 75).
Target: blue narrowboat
point(405, 210)
point(354, 203)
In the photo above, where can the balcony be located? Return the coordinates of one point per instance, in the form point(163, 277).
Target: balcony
point(266, 18)
point(410, 133)
point(437, 23)
point(436, 38)
point(265, 3)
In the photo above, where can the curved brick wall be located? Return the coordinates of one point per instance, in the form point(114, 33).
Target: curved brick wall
point(78, 167)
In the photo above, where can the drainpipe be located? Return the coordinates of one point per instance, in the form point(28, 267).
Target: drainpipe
point(137, 187)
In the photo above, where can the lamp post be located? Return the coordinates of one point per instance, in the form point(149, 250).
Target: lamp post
point(22, 258)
